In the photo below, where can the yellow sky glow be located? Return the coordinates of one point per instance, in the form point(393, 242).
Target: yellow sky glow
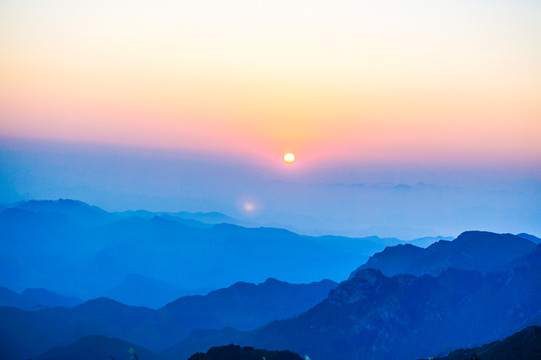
point(371, 80)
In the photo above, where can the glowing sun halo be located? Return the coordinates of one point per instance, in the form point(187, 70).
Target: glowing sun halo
point(289, 157)
point(249, 207)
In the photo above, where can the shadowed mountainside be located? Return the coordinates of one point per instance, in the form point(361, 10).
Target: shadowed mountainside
point(369, 316)
point(472, 250)
point(372, 316)
point(248, 305)
point(233, 352)
point(98, 347)
point(242, 305)
point(524, 345)
point(101, 347)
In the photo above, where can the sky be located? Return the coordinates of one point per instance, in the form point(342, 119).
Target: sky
point(368, 95)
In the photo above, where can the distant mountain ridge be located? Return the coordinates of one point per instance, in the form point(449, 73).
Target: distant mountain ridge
point(478, 288)
point(369, 316)
point(241, 305)
point(472, 250)
point(192, 219)
point(35, 299)
point(74, 209)
point(86, 252)
point(271, 300)
point(530, 237)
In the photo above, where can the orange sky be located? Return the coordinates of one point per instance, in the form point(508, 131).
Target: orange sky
point(427, 81)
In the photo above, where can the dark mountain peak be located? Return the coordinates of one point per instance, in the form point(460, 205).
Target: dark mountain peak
point(74, 203)
point(364, 284)
point(272, 282)
point(56, 205)
point(472, 250)
point(326, 282)
point(242, 286)
point(235, 352)
point(399, 251)
point(486, 238)
point(74, 209)
point(489, 248)
point(393, 259)
point(246, 306)
point(108, 306)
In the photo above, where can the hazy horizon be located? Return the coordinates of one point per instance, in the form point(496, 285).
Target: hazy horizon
point(389, 200)
point(406, 119)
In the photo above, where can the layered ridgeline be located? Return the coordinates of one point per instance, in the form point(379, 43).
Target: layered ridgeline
point(80, 250)
point(244, 306)
point(472, 250)
point(35, 299)
point(233, 352)
point(101, 347)
point(524, 345)
point(369, 316)
point(404, 303)
point(373, 316)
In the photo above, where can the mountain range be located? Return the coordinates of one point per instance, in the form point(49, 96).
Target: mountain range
point(72, 248)
point(232, 352)
point(373, 316)
point(94, 347)
point(242, 305)
point(404, 302)
point(472, 250)
point(368, 316)
point(35, 299)
point(524, 345)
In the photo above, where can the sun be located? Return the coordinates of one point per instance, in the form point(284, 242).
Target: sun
point(289, 157)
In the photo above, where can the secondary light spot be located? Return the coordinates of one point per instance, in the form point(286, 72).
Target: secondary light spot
point(249, 207)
